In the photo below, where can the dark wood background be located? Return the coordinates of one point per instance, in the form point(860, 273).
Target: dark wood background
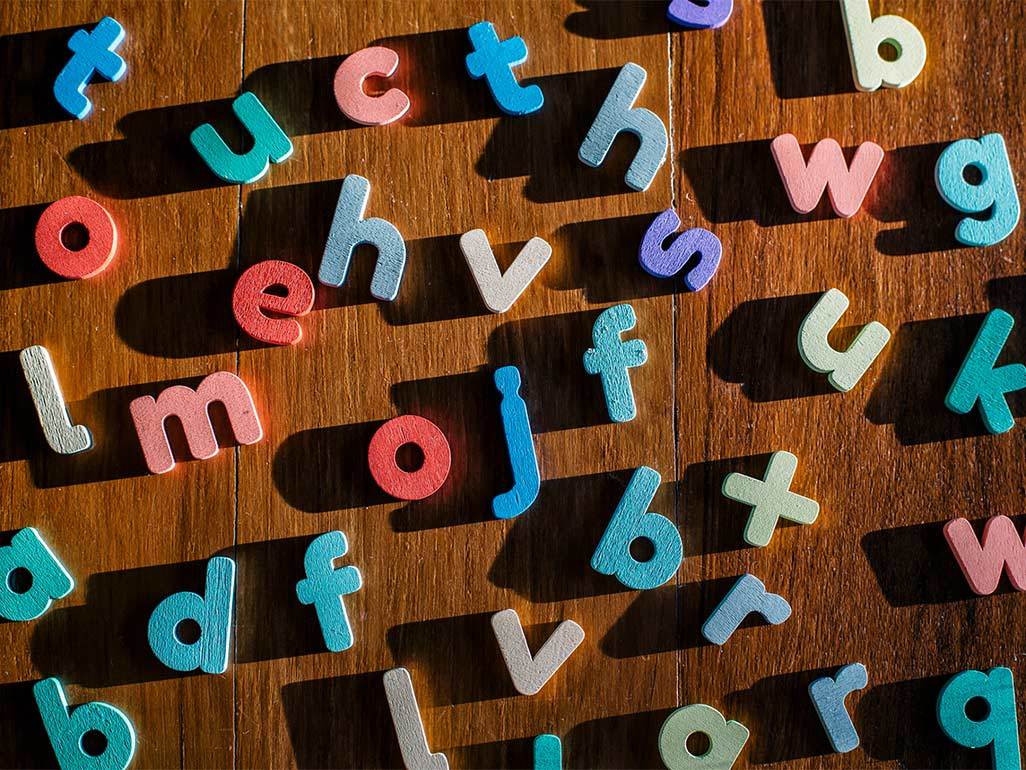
point(870, 581)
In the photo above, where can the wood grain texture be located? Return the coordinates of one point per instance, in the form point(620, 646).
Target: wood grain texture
point(723, 386)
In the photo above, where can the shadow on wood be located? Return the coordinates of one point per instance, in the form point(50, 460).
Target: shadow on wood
point(616, 742)
point(780, 714)
point(23, 739)
point(20, 265)
point(155, 157)
point(710, 522)
point(772, 370)
point(602, 20)
point(341, 722)
point(549, 352)
point(921, 365)
point(181, 316)
point(914, 565)
point(904, 192)
point(465, 407)
point(458, 658)
point(514, 753)
point(543, 567)
point(756, 191)
point(31, 62)
point(808, 53)
point(102, 643)
point(543, 146)
point(601, 257)
point(898, 722)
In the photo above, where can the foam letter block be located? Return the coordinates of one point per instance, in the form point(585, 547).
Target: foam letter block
point(632, 520)
point(843, 369)
point(409, 485)
point(93, 258)
point(999, 729)
point(980, 381)
point(270, 144)
point(353, 101)
point(349, 229)
point(324, 586)
point(516, 426)
point(826, 170)
point(529, 673)
point(612, 357)
point(93, 53)
point(748, 595)
point(494, 61)
point(700, 14)
point(191, 407)
point(409, 729)
point(548, 752)
point(500, 290)
point(212, 612)
point(726, 739)
point(617, 114)
point(995, 192)
point(828, 697)
point(771, 498)
point(61, 434)
point(666, 263)
point(50, 580)
point(66, 727)
point(1002, 550)
point(251, 302)
point(865, 36)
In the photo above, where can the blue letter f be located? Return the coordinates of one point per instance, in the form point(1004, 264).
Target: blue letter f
point(612, 357)
point(324, 586)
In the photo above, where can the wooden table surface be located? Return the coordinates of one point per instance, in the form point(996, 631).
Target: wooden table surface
point(870, 581)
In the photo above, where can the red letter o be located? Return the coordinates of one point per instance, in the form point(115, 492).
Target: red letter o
point(99, 250)
point(409, 485)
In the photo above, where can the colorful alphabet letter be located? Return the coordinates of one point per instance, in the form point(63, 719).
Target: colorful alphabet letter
point(191, 407)
point(409, 728)
point(980, 381)
point(92, 53)
point(826, 170)
point(865, 36)
point(700, 14)
point(998, 728)
point(843, 369)
point(349, 229)
point(612, 358)
point(402, 484)
point(66, 728)
point(617, 114)
point(828, 696)
point(748, 595)
point(212, 612)
point(324, 586)
point(251, 301)
point(270, 144)
point(548, 752)
point(101, 234)
point(632, 520)
point(994, 193)
point(494, 61)
point(50, 580)
point(771, 498)
point(500, 290)
point(63, 436)
point(530, 673)
point(516, 426)
point(354, 102)
point(666, 263)
point(726, 739)
point(1002, 550)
